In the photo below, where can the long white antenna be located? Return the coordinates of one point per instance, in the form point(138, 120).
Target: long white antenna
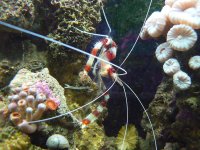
point(69, 112)
point(138, 34)
point(85, 32)
point(104, 14)
point(127, 117)
point(144, 111)
point(59, 43)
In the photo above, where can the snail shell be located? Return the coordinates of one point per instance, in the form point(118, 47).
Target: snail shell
point(57, 141)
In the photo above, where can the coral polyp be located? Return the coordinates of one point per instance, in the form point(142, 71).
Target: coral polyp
point(131, 140)
point(42, 50)
point(33, 94)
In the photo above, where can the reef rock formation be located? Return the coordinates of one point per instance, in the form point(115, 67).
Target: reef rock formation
point(32, 94)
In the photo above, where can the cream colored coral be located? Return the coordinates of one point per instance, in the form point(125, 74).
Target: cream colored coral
point(171, 66)
point(181, 37)
point(155, 24)
point(194, 62)
point(170, 2)
point(186, 12)
point(181, 80)
point(165, 11)
point(144, 34)
point(163, 52)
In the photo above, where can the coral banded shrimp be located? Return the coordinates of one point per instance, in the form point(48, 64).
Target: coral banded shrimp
point(104, 61)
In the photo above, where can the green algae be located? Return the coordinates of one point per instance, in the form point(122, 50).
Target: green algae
point(12, 139)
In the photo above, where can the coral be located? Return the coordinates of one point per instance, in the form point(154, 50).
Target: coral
point(2, 112)
point(194, 62)
point(69, 14)
point(79, 13)
point(160, 109)
point(6, 71)
point(185, 12)
point(32, 94)
point(171, 146)
point(131, 140)
point(181, 36)
point(163, 52)
point(91, 137)
point(181, 80)
point(109, 143)
point(192, 102)
point(174, 115)
point(156, 24)
point(131, 14)
point(171, 66)
point(20, 12)
point(12, 139)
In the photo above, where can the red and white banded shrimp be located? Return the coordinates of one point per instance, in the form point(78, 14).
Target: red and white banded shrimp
point(108, 50)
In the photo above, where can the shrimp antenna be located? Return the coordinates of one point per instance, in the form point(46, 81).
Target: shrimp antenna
point(127, 116)
point(104, 14)
point(144, 111)
point(59, 43)
point(69, 112)
point(85, 32)
point(138, 34)
point(102, 35)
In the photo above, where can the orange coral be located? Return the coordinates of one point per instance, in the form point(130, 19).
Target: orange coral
point(51, 104)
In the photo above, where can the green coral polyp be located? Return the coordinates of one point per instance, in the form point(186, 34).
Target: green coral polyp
point(131, 140)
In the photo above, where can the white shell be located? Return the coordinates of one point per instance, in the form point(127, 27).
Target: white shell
point(57, 141)
point(194, 62)
point(181, 80)
point(171, 66)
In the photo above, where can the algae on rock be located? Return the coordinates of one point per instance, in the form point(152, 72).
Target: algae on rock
point(84, 15)
point(175, 116)
point(91, 137)
point(12, 139)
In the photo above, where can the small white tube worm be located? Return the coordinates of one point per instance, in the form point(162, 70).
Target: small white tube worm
point(29, 113)
point(22, 107)
point(12, 107)
point(30, 100)
point(39, 112)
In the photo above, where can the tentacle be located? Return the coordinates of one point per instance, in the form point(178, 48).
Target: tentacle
point(85, 32)
point(59, 43)
point(138, 34)
point(104, 14)
point(69, 112)
point(102, 35)
point(144, 111)
point(127, 117)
